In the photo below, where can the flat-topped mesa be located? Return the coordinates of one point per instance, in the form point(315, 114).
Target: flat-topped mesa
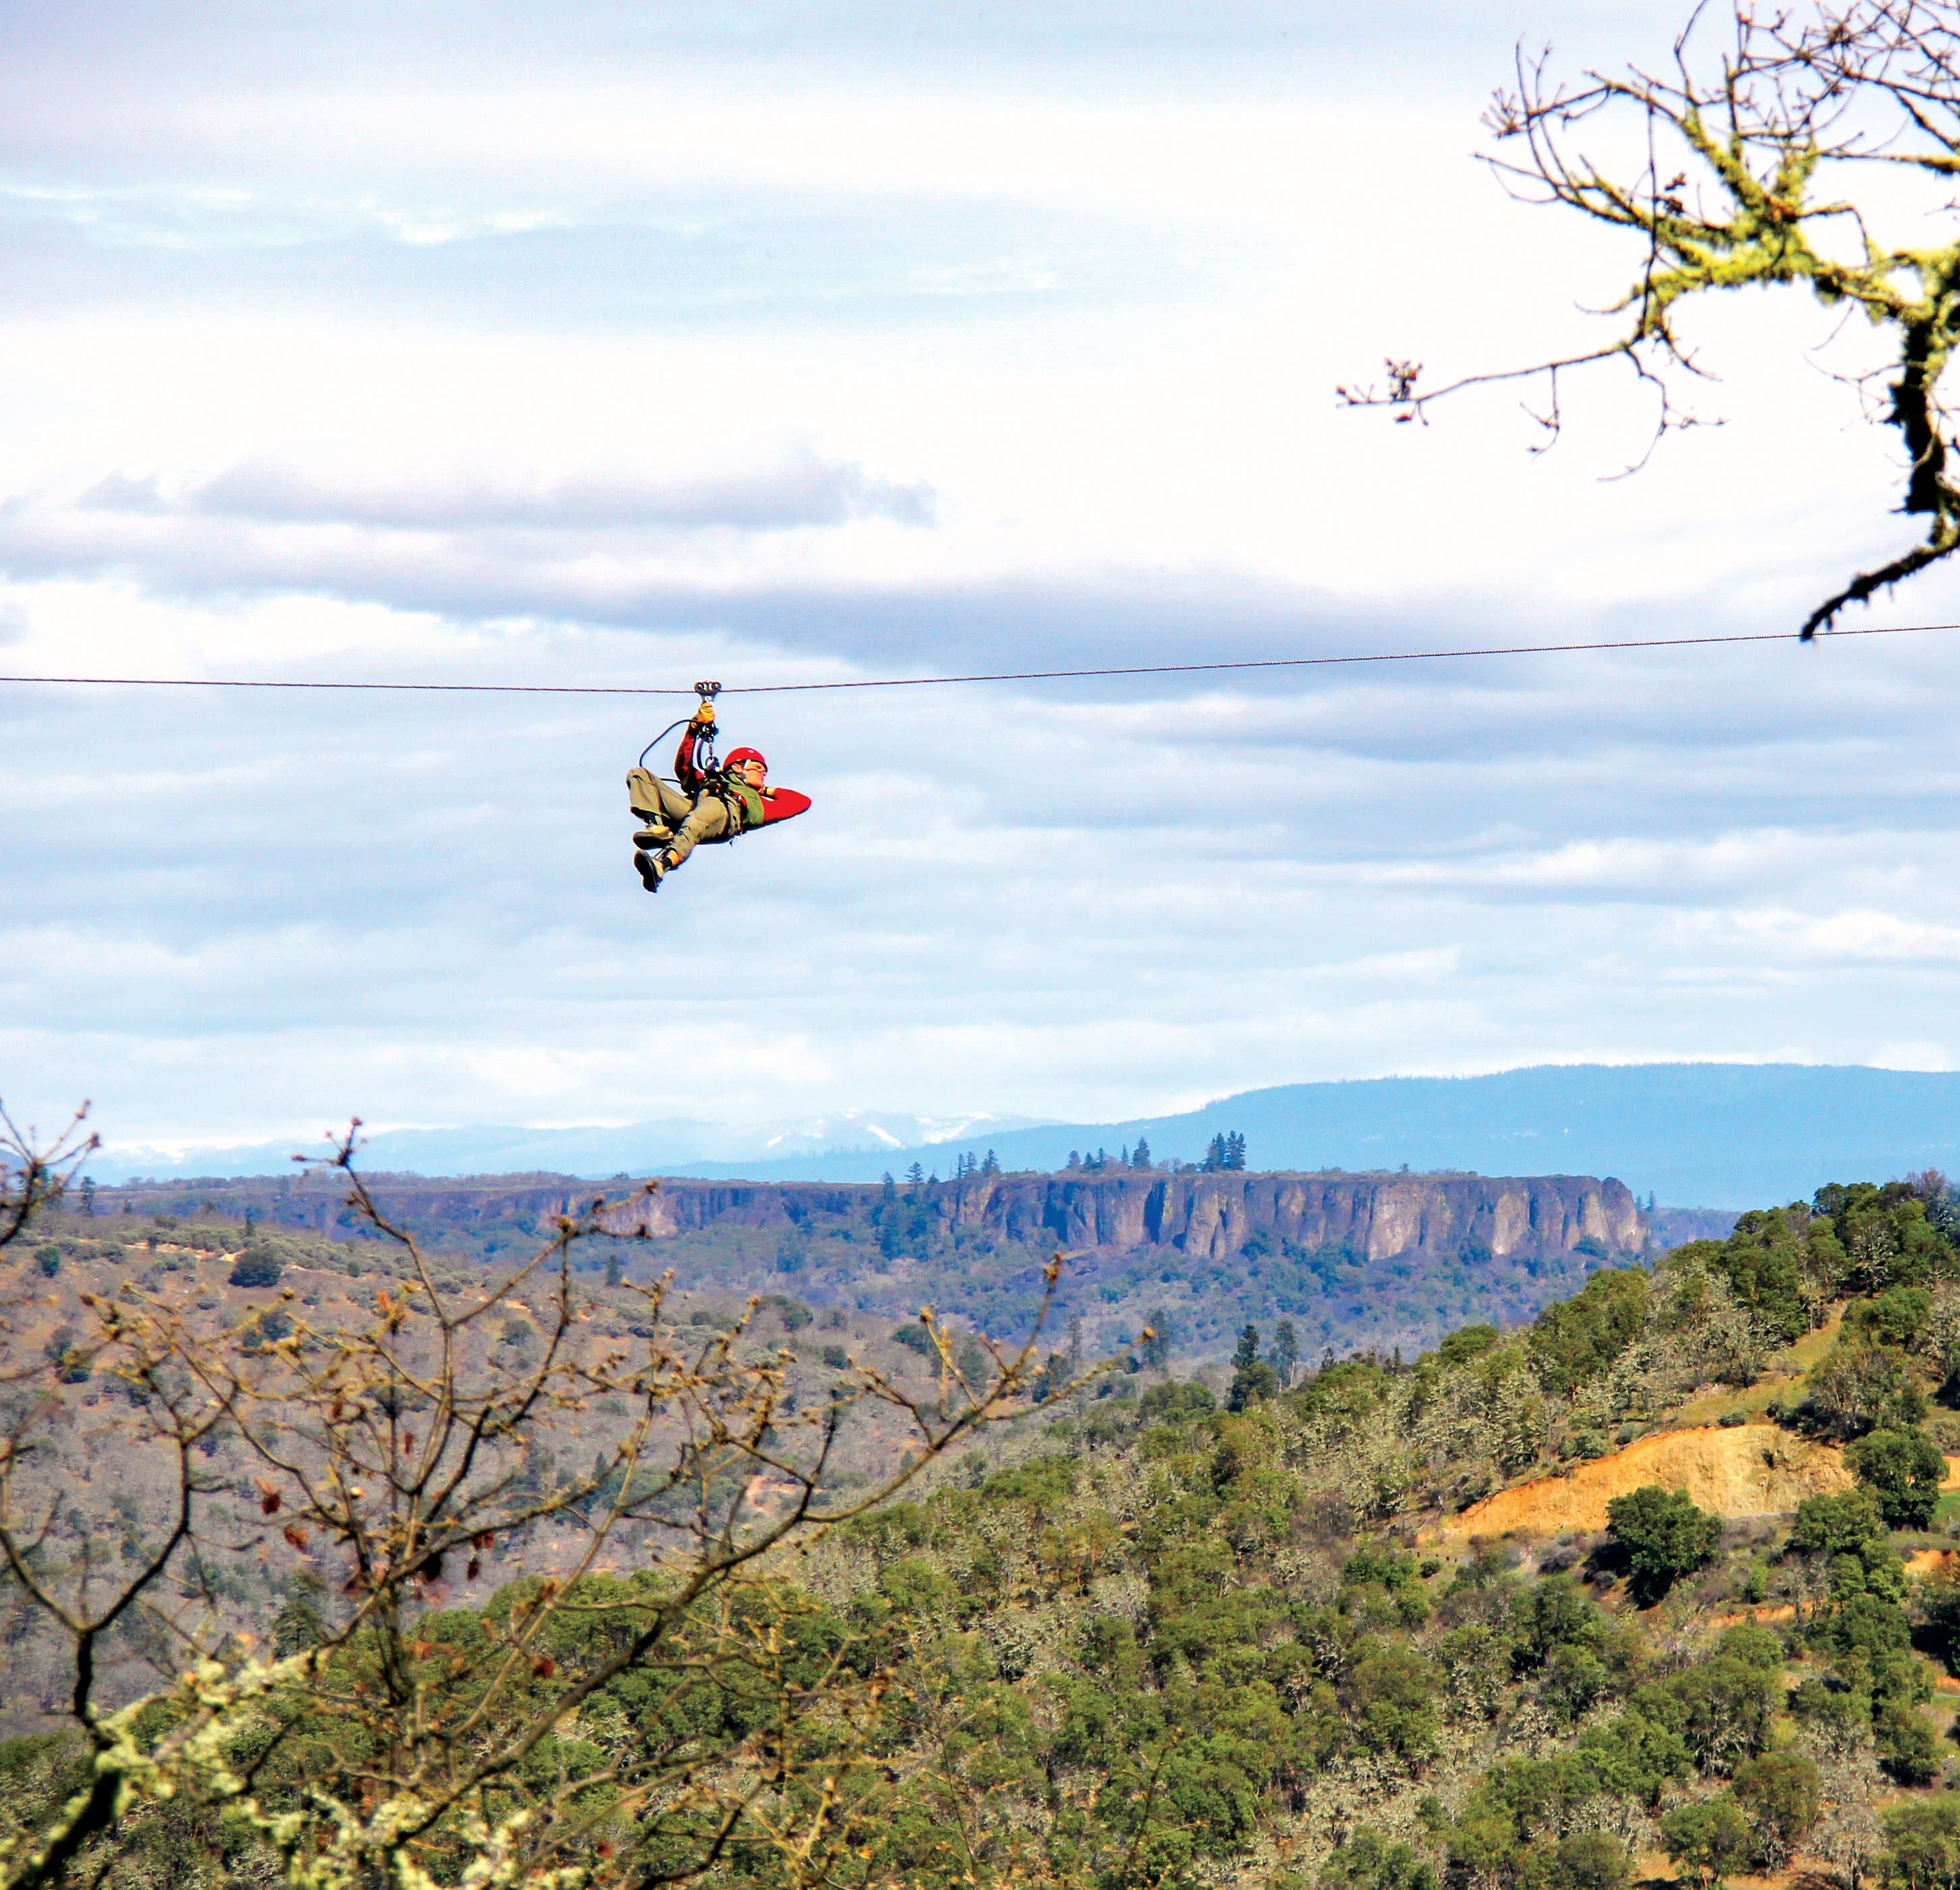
point(1206, 1216)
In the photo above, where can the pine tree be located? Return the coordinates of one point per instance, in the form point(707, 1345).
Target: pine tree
point(1253, 1377)
point(1286, 1352)
point(991, 1166)
point(1140, 1155)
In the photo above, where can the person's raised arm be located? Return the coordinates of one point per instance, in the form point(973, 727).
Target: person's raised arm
point(687, 771)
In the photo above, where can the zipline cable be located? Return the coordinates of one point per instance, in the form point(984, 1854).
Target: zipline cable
point(995, 676)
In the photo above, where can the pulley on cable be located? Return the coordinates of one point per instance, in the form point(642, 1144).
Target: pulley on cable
point(706, 801)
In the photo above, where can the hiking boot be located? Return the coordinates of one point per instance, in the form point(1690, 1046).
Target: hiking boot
point(649, 838)
point(651, 869)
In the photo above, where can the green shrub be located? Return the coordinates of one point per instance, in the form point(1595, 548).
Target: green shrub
point(1848, 1530)
point(1664, 1536)
point(1368, 1861)
point(72, 1366)
point(794, 1314)
point(1899, 1317)
point(1590, 1860)
point(1865, 1625)
point(268, 1330)
point(1711, 1838)
point(1907, 1748)
point(1856, 1388)
point(1577, 1338)
point(1390, 1694)
point(1466, 1343)
point(1923, 1844)
point(1753, 1644)
point(1904, 1470)
point(256, 1267)
point(1722, 1709)
point(1174, 1399)
point(1781, 1795)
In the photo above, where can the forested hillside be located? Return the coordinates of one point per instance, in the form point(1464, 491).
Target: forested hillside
point(1138, 1632)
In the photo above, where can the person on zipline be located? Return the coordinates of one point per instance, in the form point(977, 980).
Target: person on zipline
point(710, 805)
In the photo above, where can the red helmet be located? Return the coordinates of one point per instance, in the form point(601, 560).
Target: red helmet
point(742, 755)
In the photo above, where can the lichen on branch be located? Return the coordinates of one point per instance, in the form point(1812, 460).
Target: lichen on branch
point(1753, 147)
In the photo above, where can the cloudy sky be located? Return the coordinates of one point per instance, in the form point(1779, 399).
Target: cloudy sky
point(789, 343)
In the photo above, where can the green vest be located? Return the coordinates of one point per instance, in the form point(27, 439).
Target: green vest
point(741, 796)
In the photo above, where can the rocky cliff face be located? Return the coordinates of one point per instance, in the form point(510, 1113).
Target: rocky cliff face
point(1210, 1216)
point(1202, 1216)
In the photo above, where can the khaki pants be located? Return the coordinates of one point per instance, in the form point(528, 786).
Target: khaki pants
point(696, 823)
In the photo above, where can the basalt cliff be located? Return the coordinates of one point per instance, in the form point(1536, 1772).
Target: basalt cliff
point(1209, 1216)
point(1205, 1217)
point(1382, 1260)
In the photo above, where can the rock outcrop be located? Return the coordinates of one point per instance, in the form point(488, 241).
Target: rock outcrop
point(1212, 1216)
point(1205, 1217)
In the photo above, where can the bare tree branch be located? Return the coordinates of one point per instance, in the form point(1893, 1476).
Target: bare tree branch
point(394, 1451)
point(1747, 134)
point(35, 1175)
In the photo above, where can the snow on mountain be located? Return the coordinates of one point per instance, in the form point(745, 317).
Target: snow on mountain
point(638, 1148)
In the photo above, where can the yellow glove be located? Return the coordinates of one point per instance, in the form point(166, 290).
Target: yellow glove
point(704, 715)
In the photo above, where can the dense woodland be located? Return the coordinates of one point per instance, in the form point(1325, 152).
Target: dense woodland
point(1146, 1631)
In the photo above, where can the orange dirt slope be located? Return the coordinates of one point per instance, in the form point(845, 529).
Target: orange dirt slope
point(1752, 1470)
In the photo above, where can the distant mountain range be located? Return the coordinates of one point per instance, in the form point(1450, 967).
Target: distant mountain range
point(1699, 1135)
point(638, 1148)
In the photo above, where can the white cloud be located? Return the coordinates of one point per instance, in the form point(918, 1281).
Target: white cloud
point(621, 377)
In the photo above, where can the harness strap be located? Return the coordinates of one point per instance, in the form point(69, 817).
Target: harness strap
point(744, 804)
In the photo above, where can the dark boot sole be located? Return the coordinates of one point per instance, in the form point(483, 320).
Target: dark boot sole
point(650, 873)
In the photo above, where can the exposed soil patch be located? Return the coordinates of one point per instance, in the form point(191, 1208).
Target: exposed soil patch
point(1744, 1617)
point(1751, 1470)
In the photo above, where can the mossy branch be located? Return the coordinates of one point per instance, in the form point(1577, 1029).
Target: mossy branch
point(1748, 135)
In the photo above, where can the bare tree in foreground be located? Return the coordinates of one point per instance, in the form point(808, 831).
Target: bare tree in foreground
point(35, 1175)
point(1752, 149)
point(588, 1728)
